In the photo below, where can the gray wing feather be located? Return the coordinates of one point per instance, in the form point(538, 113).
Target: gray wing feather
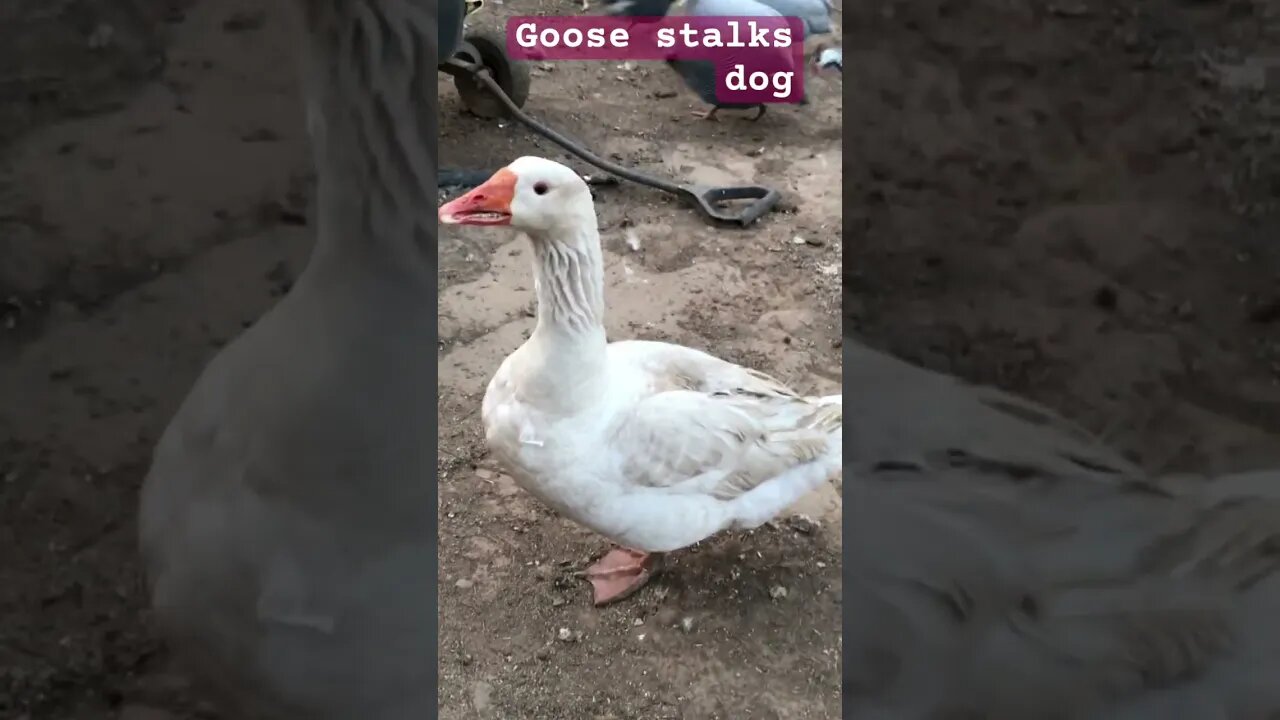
point(1000, 563)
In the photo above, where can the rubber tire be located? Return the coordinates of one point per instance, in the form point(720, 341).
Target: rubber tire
point(489, 50)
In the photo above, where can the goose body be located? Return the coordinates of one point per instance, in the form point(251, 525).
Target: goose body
point(653, 445)
point(1001, 563)
point(667, 446)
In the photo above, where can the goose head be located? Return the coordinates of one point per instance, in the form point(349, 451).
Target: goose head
point(535, 195)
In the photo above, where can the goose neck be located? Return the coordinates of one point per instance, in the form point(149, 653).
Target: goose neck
point(373, 131)
point(569, 283)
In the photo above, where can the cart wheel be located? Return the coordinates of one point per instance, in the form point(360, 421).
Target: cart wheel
point(489, 50)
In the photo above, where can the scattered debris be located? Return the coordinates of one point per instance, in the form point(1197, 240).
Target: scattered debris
point(803, 524)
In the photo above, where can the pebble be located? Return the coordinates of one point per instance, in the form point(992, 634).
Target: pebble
point(777, 592)
point(686, 624)
point(564, 635)
point(464, 584)
point(543, 653)
point(802, 524)
point(482, 697)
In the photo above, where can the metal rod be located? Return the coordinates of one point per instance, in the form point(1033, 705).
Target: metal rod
point(482, 74)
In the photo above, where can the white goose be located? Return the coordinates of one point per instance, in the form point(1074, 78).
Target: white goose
point(653, 445)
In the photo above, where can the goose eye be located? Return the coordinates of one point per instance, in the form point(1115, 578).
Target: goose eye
point(540, 188)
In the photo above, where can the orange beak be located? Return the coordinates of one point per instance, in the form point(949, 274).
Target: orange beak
point(489, 204)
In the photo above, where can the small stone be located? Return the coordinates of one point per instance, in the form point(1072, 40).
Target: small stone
point(543, 653)
point(557, 602)
point(777, 592)
point(797, 240)
point(564, 635)
point(802, 524)
point(638, 622)
point(464, 584)
point(686, 624)
point(482, 697)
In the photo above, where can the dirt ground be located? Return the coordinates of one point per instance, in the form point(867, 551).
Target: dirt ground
point(1074, 202)
point(1078, 203)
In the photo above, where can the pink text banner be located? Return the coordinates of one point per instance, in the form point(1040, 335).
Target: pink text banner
point(756, 59)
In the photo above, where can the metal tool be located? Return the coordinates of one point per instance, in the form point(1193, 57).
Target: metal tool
point(708, 200)
point(452, 178)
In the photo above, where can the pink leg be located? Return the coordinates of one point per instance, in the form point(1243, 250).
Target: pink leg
point(620, 573)
point(709, 114)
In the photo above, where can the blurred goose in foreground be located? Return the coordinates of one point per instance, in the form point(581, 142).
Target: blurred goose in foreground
point(653, 445)
point(287, 522)
point(1000, 564)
